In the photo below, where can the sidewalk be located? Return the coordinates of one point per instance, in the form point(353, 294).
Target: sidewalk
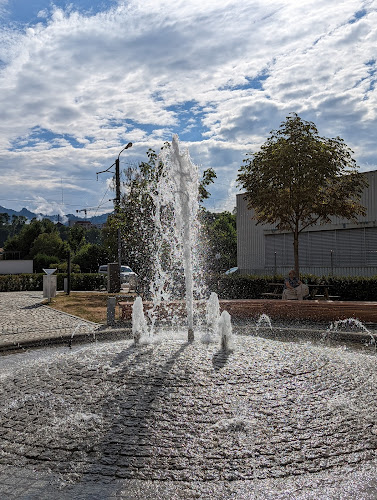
point(25, 321)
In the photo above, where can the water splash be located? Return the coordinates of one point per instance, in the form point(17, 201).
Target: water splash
point(352, 324)
point(226, 333)
point(139, 323)
point(264, 321)
point(86, 326)
point(212, 318)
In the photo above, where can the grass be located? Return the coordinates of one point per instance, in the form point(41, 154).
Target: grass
point(90, 306)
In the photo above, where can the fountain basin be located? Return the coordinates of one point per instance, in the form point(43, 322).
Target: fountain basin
point(178, 411)
point(313, 310)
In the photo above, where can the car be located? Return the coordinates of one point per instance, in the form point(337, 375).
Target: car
point(126, 273)
point(232, 270)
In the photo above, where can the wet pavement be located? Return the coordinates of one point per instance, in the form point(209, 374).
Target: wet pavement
point(172, 419)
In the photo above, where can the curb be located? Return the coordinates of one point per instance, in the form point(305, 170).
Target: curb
point(111, 334)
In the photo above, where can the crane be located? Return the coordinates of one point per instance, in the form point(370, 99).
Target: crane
point(82, 210)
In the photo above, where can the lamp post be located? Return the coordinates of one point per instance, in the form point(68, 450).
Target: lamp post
point(117, 210)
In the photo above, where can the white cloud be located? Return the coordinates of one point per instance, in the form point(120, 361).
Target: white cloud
point(76, 87)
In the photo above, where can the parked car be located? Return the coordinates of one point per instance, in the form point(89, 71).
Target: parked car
point(126, 273)
point(232, 270)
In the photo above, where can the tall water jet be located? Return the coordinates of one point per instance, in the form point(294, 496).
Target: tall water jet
point(176, 202)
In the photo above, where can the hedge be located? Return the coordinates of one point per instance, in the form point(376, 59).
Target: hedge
point(32, 282)
point(252, 287)
point(227, 287)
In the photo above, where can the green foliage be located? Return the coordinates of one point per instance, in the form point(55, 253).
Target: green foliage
point(43, 261)
point(86, 281)
point(238, 287)
point(221, 240)
point(21, 282)
point(208, 178)
point(252, 287)
point(298, 179)
point(4, 228)
point(48, 244)
point(90, 257)
point(32, 282)
point(62, 267)
point(76, 238)
point(23, 241)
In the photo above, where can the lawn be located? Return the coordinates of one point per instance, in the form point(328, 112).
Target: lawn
point(91, 306)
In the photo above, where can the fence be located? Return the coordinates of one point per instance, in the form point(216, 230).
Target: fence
point(363, 271)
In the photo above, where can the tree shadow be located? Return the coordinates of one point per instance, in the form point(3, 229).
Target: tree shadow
point(131, 415)
point(220, 359)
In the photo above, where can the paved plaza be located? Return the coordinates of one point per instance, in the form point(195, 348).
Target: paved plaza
point(176, 420)
point(24, 321)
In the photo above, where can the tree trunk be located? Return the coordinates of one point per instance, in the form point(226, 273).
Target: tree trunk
point(295, 251)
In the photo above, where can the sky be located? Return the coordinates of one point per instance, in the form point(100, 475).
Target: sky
point(80, 79)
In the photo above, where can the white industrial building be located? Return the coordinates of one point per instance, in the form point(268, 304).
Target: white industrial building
point(342, 248)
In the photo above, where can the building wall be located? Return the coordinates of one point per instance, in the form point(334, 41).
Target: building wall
point(16, 266)
point(340, 248)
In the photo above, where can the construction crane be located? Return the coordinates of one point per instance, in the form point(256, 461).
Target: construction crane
point(82, 210)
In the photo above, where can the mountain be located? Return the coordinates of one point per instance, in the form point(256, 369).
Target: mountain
point(97, 219)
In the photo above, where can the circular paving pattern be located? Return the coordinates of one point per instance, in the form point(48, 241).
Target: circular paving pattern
point(189, 412)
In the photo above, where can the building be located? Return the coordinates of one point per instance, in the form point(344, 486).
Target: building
point(342, 248)
point(86, 224)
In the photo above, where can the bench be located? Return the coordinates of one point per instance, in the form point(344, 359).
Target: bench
point(271, 294)
point(276, 293)
point(314, 292)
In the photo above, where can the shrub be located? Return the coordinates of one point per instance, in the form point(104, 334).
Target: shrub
point(32, 282)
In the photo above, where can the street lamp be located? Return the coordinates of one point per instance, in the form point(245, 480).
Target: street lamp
point(117, 210)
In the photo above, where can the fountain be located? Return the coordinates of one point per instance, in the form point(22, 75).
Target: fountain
point(171, 418)
point(176, 201)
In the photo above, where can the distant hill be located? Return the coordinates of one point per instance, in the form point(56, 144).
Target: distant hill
point(98, 219)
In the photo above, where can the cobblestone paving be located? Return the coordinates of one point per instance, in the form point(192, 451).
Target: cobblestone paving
point(23, 318)
point(178, 420)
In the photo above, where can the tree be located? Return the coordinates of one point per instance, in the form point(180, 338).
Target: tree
point(298, 179)
point(76, 238)
point(90, 257)
point(48, 244)
point(221, 235)
point(4, 228)
point(23, 241)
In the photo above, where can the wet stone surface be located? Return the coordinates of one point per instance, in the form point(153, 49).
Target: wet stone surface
point(174, 411)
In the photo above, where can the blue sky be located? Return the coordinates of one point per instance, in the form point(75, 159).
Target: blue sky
point(81, 79)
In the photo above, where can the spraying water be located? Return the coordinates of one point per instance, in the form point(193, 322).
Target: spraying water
point(139, 323)
point(352, 324)
point(212, 318)
point(225, 328)
point(264, 321)
point(176, 228)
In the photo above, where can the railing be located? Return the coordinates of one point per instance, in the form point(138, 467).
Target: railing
point(10, 255)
